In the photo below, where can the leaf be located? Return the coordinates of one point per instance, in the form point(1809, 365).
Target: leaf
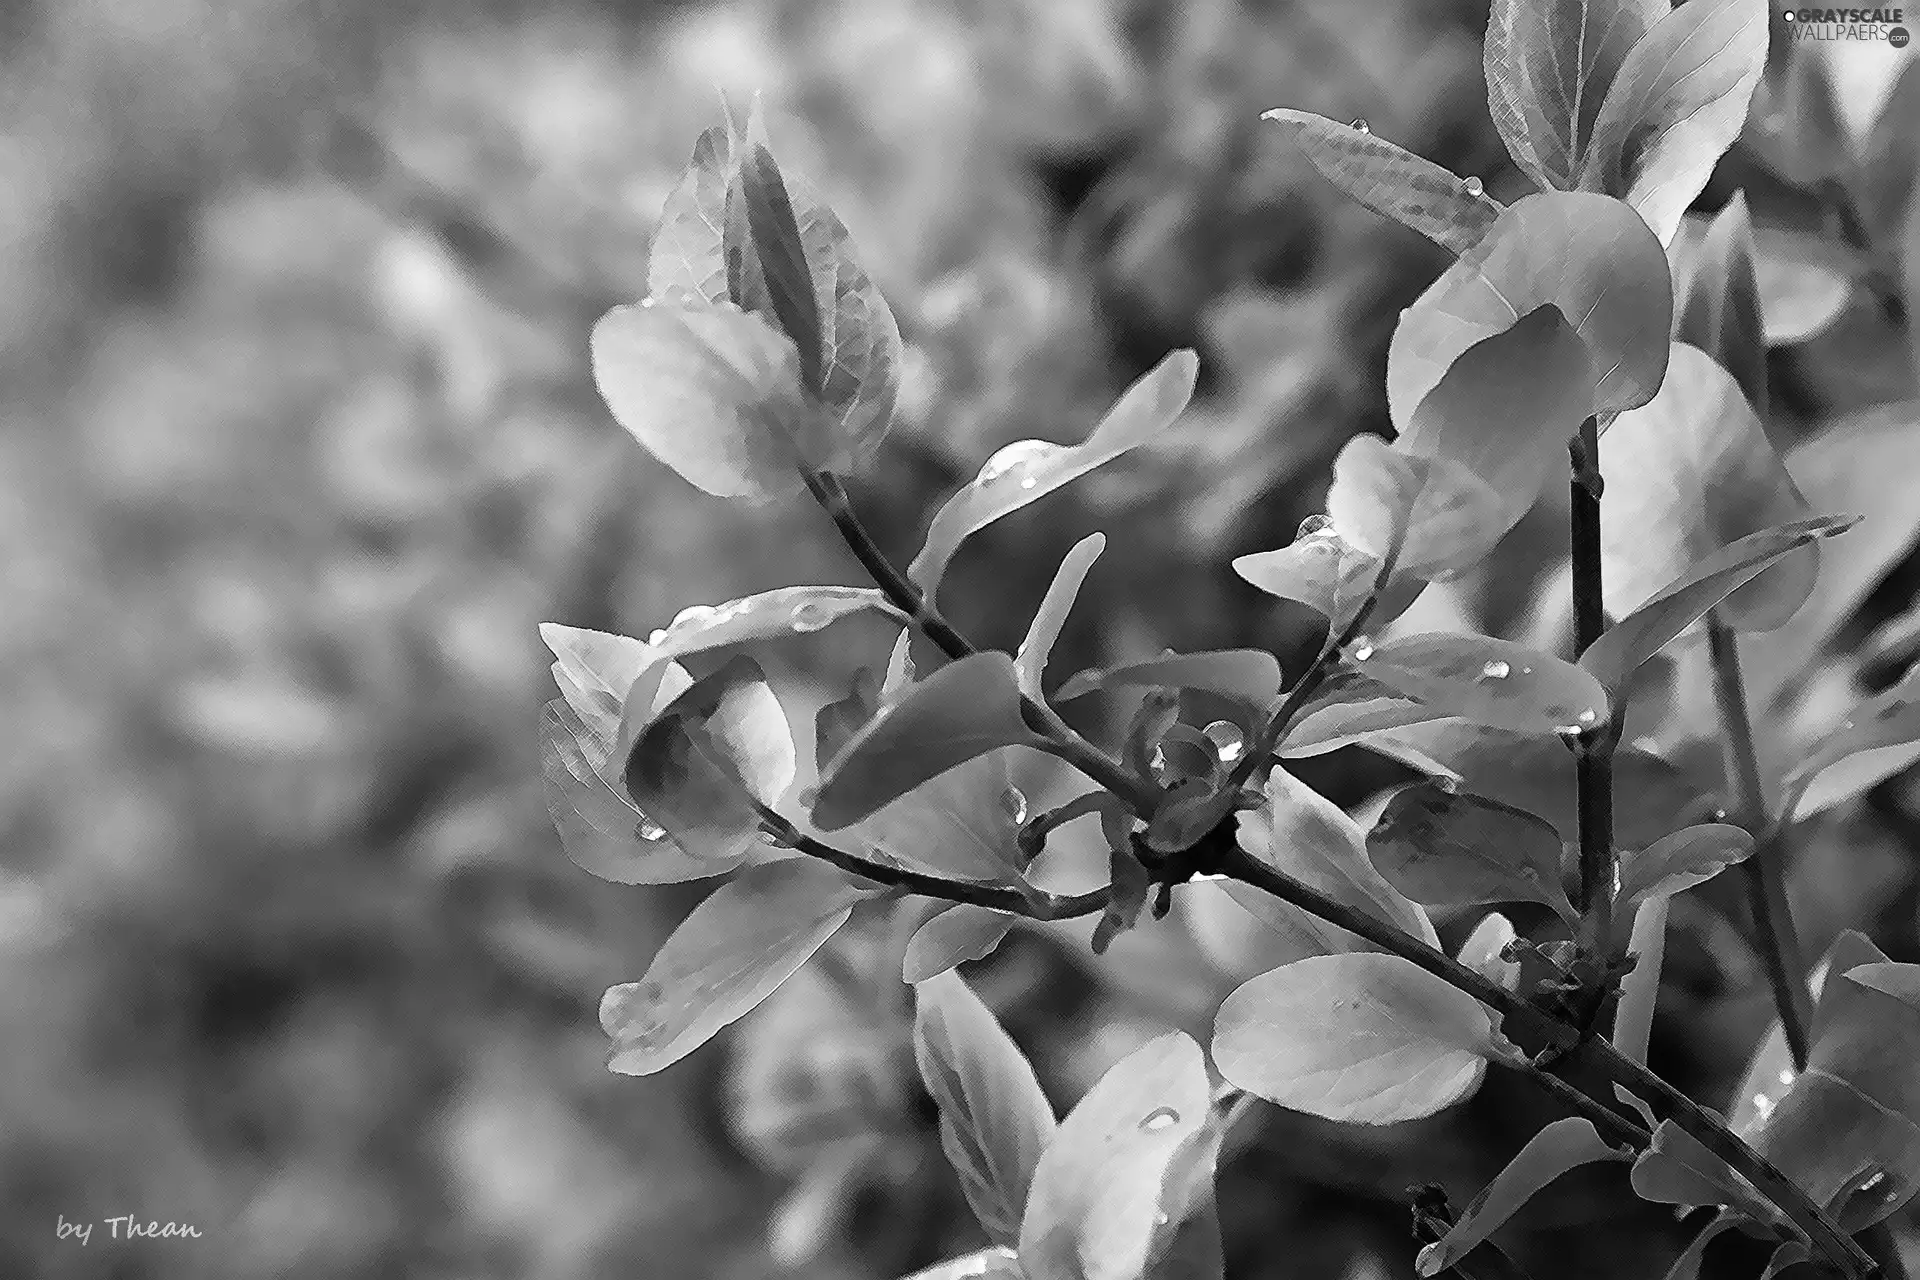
point(1128, 883)
point(956, 935)
point(1106, 1174)
point(961, 824)
point(1030, 660)
point(1561, 1146)
point(1687, 1265)
point(1488, 681)
point(704, 765)
point(994, 1119)
point(1420, 195)
point(1319, 569)
point(965, 709)
point(1249, 676)
point(1367, 1038)
point(1590, 256)
point(783, 259)
point(596, 670)
point(836, 722)
point(1677, 1169)
point(687, 261)
point(1685, 476)
point(731, 953)
point(1640, 989)
point(1439, 516)
point(863, 356)
point(1028, 470)
point(1484, 951)
point(1548, 67)
point(1716, 299)
point(1888, 720)
point(1675, 107)
point(1446, 849)
point(1801, 292)
point(988, 1264)
point(1623, 647)
point(1680, 861)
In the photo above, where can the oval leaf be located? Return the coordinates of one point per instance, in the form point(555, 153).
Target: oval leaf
point(783, 259)
point(1561, 1146)
point(961, 933)
point(1443, 848)
point(1250, 676)
point(1435, 516)
point(1030, 661)
point(687, 261)
point(1487, 681)
point(1889, 719)
point(963, 824)
point(1716, 302)
point(1680, 861)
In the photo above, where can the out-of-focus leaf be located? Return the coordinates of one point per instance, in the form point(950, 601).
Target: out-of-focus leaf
point(1676, 105)
point(1640, 989)
point(994, 1119)
point(1680, 861)
point(1880, 734)
point(1441, 516)
point(1677, 1169)
point(1802, 292)
point(1028, 470)
point(1443, 848)
point(1589, 255)
point(961, 933)
point(1104, 1177)
point(1488, 681)
point(1685, 476)
point(1561, 1146)
point(1319, 569)
point(1623, 647)
point(1548, 66)
point(687, 262)
point(1484, 951)
point(1250, 676)
point(963, 823)
point(988, 1264)
point(1449, 210)
point(726, 957)
point(783, 259)
point(965, 709)
point(1365, 1037)
point(1716, 300)
point(1030, 661)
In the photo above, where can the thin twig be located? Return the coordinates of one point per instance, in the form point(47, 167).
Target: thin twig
point(1593, 750)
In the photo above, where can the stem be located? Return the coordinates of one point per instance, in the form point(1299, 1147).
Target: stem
point(1140, 794)
point(1593, 752)
point(1433, 1218)
point(1774, 935)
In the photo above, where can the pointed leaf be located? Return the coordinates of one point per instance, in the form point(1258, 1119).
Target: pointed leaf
point(596, 670)
point(1249, 676)
point(1640, 989)
point(1319, 569)
point(1716, 299)
point(1366, 1037)
point(1677, 1169)
point(783, 259)
point(1680, 861)
point(961, 933)
point(725, 958)
point(1030, 662)
point(962, 824)
point(994, 1120)
point(1028, 470)
point(1878, 737)
point(1485, 948)
point(1441, 516)
point(1561, 1146)
point(862, 355)
point(1448, 210)
point(988, 1264)
point(1443, 848)
point(687, 261)
point(1491, 682)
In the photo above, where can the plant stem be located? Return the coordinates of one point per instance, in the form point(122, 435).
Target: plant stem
point(1593, 751)
point(1039, 906)
point(1774, 935)
point(1140, 794)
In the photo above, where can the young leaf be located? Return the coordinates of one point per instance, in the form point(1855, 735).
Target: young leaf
point(702, 767)
point(1675, 107)
point(1484, 951)
point(783, 259)
point(1030, 660)
point(1319, 569)
point(994, 1120)
point(1028, 470)
point(1680, 861)
point(965, 709)
point(862, 353)
point(1802, 291)
point(1420, 195)
point(1105, 1176)
point(1250, 676)
point(1716, 299)
point(687, 262)
point(1640, 989)
point(963, 823)
point(1548, 66)
point(1676, 1168)
point(1561, 1146)
point(1878, 739)
point(1446, 849)
point(961, 933)
point(1590, 256)
point(1623, 647)
point(1366, 1037)
point(1442, 517)
point(1488, 681)
point(596, 670)
point(725, 958)
point(1686, 475)
point(988, 1264)
point(714, 393)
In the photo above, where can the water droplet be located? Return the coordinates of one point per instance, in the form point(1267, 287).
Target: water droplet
point(646, 302)
point(1360, 126)
point(1879, 1176)
point(808, 615)
point(1495, 670)
point(659, 634)
point(1013, 802)
point(649, 830)
point(1474, 185)
point(1021, 456)
point(691, 616)
point(1159, 1118)
point(1588, 716)
point(1161, 1219)
point(1362, 649)
point(1227, 740)
point(772, 840)
point(1786, 1077)
point(1319, 525)
point(1762, 1103)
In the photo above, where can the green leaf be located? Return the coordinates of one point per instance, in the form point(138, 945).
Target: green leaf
point(1685, 476)
point(687, 261)
point(1640, 989)
point(701, 764)
point(1716, 299)
point(1249, 676)
point(994, 1119)
point(783, 259)
point(1488, 681)
point(960, 824)
point(1030, 660)
point(1591, 256)
point(1449, 210)
point(1366, 1037)
point(988, 1264)
point(1677, 104)
point(1623, 647)
point(1680, 861)
point(1561, 1146)
point(1319, 569)
point(965, 709)
point(1548, 66)
point(1443, 848)
point(1442, 517)
point(731, 953)
point(956, 935)
point(1028, 470)
point(1677, 1169)
point(1873, 743)
point(714, 393)
point(1107, 1172)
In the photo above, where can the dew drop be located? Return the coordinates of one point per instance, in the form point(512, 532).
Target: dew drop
point(1161, 1219)
point(808, 615)
point(1227, 740)
point(659, 634)
point(1319, 525)
point(1021, 456)
point(1495, 670)
point(1474, 185)
point(1786, 1077)
point(1360, 126)
point(1362, 649)
point(649, 830)
point(1879, 1176)
point(1159, 1118)
point(1013, 802)
point(691, 616)
point(1588, 716)
point(1763, 1104)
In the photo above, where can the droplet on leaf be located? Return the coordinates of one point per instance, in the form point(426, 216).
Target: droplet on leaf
point(1495, 670)
point(649, 830)
point(808, 615)
point(1228, 741)
point(1014, 802)
point(1362, 649)
point(1786, 1077)
point(692, 615)
point(1017, 460)
point(1319, 525)
point(1474, 185)
point(1159, 1118)
point(1361, 126)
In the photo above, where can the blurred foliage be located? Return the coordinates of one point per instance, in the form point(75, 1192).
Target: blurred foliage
point(297, 445)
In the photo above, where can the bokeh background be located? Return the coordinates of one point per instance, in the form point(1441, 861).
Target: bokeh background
point(298, 445)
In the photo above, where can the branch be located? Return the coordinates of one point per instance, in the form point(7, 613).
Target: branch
point(1593, 751)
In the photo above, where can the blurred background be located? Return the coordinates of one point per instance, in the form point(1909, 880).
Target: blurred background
point(298, 445)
